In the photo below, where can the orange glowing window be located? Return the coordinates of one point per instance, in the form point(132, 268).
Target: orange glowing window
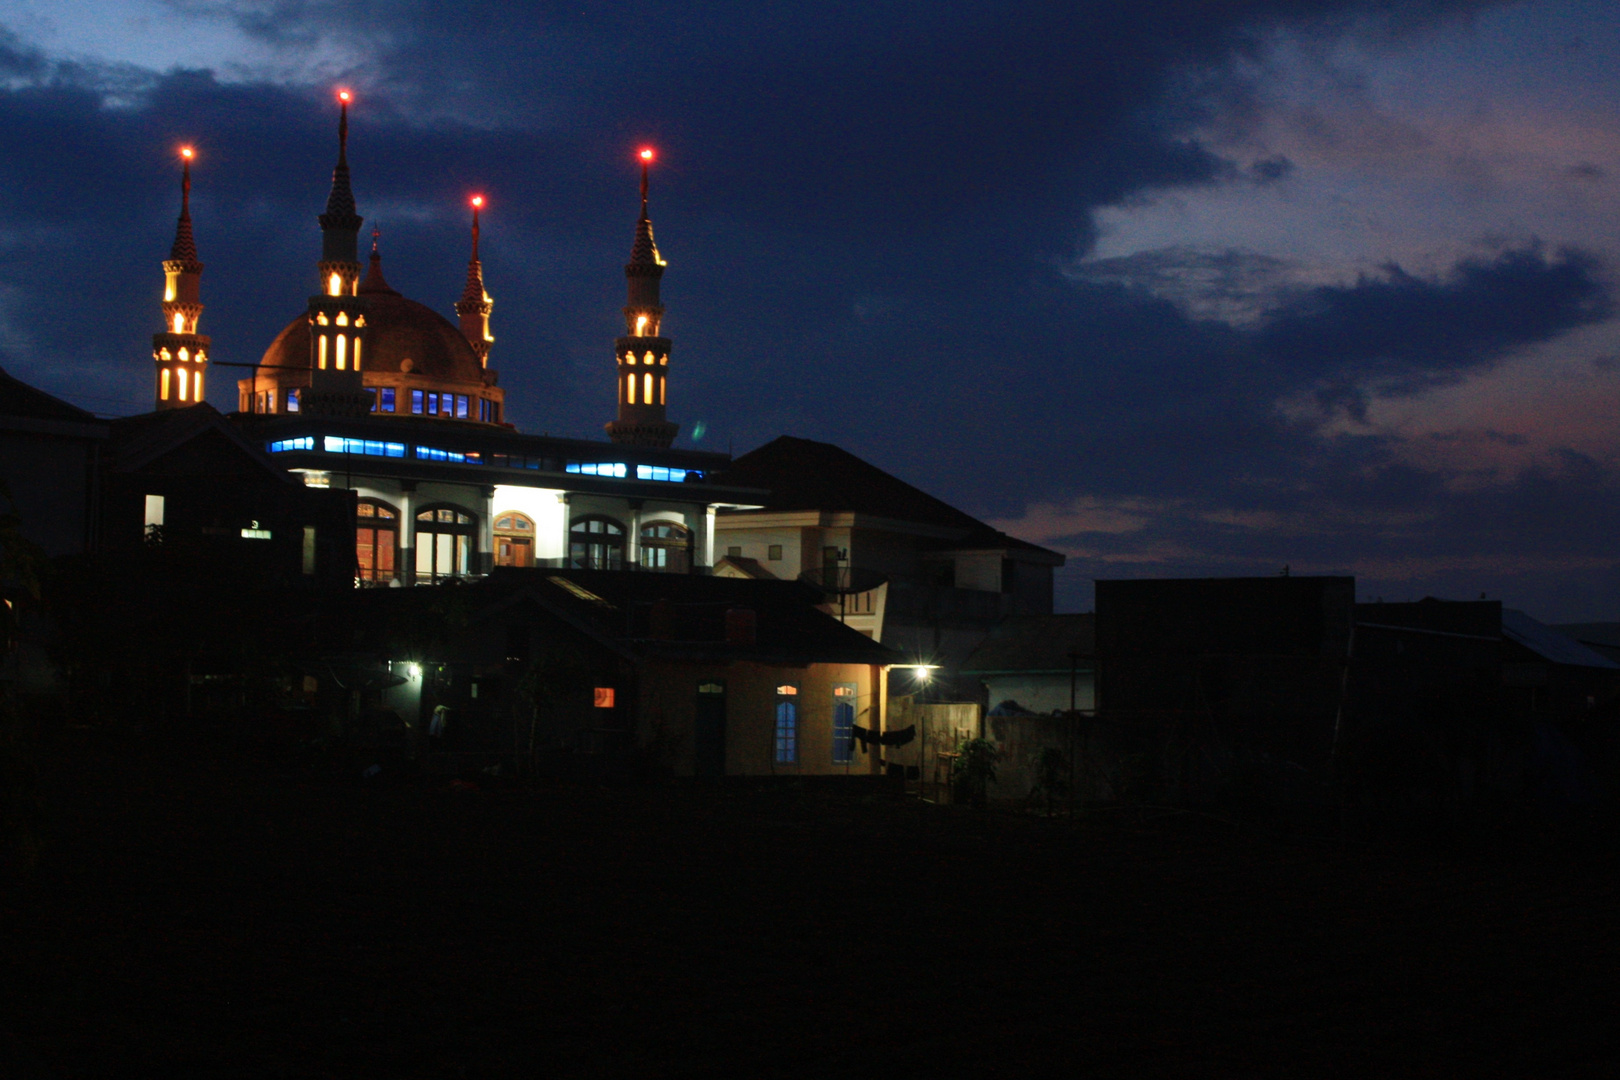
point(179, 323)
point(334, 285)
point(183, 387)
point(184, 355)
point(196, 390)
point(630, 384)
point(342, 352)
point(320, 349)
point(787, 690)
point(660, 389)
point(163, 379)
point(357, 354)
point(604, 697)
point(646, 388)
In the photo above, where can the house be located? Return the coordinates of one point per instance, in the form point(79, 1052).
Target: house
point(50, 462)
point(894, 562)
point(571, 669)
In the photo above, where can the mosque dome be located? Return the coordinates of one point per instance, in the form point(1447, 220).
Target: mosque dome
point(404, 337)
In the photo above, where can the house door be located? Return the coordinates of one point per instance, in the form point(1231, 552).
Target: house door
point(709, 730)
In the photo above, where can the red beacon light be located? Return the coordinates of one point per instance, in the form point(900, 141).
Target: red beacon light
point(647, 155)
point(478, 200)
point(187, 152)
point(344, 96)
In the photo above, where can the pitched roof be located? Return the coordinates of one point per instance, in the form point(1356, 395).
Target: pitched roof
point(1549, 644)
point(686, 615)
point(137, 441)
point(802, 474)
point(17, 398)
point(1035, 643)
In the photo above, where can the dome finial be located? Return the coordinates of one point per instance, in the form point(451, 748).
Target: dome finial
point(376, 234)
point(646, 160)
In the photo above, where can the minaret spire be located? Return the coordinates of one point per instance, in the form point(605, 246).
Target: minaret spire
point(475, 304)
point(340, 225)
point(179, 352)
point(643, 355)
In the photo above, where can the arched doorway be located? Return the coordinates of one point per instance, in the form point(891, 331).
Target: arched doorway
point(514, 539)
point(376, 542)
point(444, 543)
point(596, 543)
point(666, 546)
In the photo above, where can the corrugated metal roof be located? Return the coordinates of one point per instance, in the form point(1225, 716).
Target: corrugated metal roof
point(1549, 644)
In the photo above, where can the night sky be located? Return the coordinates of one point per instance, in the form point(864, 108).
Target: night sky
point(1177, 288)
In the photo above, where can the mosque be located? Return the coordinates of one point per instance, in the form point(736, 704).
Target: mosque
point(371, 391)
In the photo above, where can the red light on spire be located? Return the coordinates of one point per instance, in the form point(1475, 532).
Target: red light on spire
point(344, 96)
point(187, 152)
point(478, 200)
point(647, 154)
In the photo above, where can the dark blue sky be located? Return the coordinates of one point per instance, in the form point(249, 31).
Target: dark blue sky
point(1179, 288)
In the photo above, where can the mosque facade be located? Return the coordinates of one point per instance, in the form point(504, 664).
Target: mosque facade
point(370, 391)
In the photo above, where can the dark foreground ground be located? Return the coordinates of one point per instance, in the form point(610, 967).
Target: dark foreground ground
point(199, 915)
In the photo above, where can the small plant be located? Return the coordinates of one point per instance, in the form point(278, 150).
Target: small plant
point(1051, 778)
point(974, 770)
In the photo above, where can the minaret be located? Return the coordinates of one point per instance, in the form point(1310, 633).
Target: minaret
point(475, 304)
point(340, 225)
point(180, 353)
point(643, 356)
point(337, 315)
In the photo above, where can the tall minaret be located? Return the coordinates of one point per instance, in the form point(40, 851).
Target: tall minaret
point(475, 304)
point(340, 225)
point(643, 356)
point(337, 315)
point(180, 353)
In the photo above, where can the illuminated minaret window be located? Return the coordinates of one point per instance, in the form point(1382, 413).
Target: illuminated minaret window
point(179, 352)
point(475, 304)
point(642, 355)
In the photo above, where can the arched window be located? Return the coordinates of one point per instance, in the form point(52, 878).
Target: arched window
point(444, 543)
point(596, 543)
point(514, 540)
point(667, 546)
point(376, 541)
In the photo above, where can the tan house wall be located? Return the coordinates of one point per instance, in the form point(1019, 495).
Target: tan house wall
point(668, 702)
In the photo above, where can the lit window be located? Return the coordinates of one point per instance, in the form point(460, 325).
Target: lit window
point(359, 320)
point(648, 360)
point(179, 323)
point(334, 285)
point(292, 401)
point(603, 697)
point(197, 390)
point(343, 318)
point(641, 325)
point(461, 406)
point(787, 728)
point(630, 382)
point(357, 354)
point(183, 387)
point(163, 354)
point(630, 358)
point(309, 549)
point(320, 318)
point(386, 394)
point(154, 511)
point(660, 389)
point(169, 286)
point(663, 359)
point(163, 379)
point(843, 748)
point(433, 404)
point(320, 350)
point(646, 388)
point(416, 401)
point(342, 352)
point(184, 355)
